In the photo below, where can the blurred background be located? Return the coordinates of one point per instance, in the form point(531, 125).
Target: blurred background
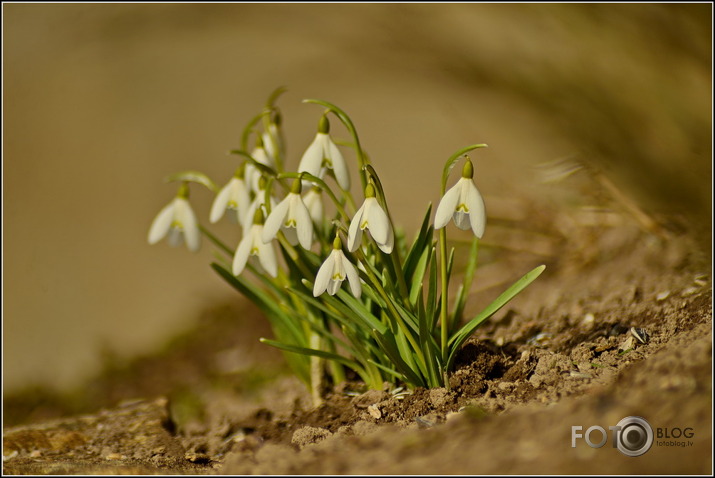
point(102, 101)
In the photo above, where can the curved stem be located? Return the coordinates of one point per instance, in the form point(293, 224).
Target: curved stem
point(345, 119)
point(217, 242)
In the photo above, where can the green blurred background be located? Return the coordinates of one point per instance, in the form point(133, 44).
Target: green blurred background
point(102, 101)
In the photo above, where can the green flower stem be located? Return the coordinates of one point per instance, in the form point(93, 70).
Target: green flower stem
point(445, 289)
point(345, 119)
point(397, 318)
point(453, 159)
point(217, 242)
point(294, 255)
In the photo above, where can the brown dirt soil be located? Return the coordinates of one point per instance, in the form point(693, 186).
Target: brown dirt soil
point(562, 355)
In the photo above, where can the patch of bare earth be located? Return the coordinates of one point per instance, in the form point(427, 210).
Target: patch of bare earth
point(619, 325)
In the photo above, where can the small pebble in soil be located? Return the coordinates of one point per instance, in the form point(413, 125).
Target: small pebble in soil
point(374, 412)
point(662, 296)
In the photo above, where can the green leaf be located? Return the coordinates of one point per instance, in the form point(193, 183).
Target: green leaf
point(388, 345)
point(316, 353)
point(194, 177)
point(423, 239)
point(432, 306)
point(418, 276)
point(267, 304)
point(466, 283)
point(463, 334)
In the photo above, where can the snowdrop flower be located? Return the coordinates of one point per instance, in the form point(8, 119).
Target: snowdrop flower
point(371, 216)
point(292, 216)
point(334, 271)
point(178, 220)
point(313, 200)
point(273, 141)
point(252, 247)
point(323, 154)
point(234, 196)
point(256, 204)
point(463, 203)
point(253, 174)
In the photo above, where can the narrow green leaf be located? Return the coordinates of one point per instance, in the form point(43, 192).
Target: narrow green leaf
point(267, 304)
point(466, 283)
point(388, 345)
point(432, 297)
point(316, 353)
point(418, 276)
point(390, 371)
point(463, 334)
point(423, 238)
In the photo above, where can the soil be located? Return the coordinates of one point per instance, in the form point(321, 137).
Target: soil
point(620, 325)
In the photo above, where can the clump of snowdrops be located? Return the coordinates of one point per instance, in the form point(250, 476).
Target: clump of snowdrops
point(341, 286)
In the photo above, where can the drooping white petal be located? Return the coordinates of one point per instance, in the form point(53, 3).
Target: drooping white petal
point(324, 276)
point(220, 203)
point(312, 159)
point(303, 222)
point(334, 286)
point(242, 252)
point(447, 206)
point(338, 163)
point(162, 223)
point(266, 256)
point(314, 203)
point(376, 220)
point(353, 277)
point(291, 235)
point(477, 211)
point(184, 214)
point(390, 244)
point(355, 231)
point(175, 237)
point(461, 220)
point(275, 219)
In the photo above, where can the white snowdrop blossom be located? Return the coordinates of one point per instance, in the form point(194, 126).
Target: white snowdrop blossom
point(253, 247)
point(464, 203)
point(292, 216)
point(313, 200)
point(273, 141)
point(323, 154)
point(253, 174)
point(334, 271)
point(178, 221)
point(234, 196)
point(371, 216)
point(256, 204)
